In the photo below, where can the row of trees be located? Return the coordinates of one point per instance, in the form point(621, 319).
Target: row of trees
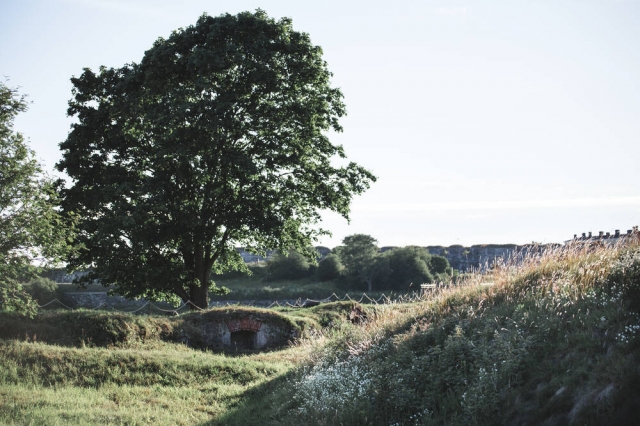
point(218, 138)
point(397, 268)
point(359, 263)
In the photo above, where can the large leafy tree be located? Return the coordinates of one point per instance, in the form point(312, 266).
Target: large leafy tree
point(216, 139)
point(361, 258)
point(32, 232)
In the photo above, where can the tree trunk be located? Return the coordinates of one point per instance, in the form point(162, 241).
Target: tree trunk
point(200, 296)
point(202, 271)
point(369, 282)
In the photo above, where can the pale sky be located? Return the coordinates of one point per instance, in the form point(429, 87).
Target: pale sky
point(485, 121)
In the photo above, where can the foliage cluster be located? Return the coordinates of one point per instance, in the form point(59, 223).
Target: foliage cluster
point(359, 261)
point(32, 231)
point(329, 268)
point(400, 269)
point(217, 139)
point(293, 266)
point(42, 290)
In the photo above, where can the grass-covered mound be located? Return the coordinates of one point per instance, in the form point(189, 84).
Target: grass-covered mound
point(85, 367)
point(85, 328)
point(554, 340)
point(46, 365)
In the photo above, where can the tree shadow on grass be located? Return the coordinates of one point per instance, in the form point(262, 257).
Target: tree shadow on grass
point(264, 405)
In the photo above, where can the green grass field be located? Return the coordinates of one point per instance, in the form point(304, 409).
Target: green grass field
point(250, 287)
point(554, 340)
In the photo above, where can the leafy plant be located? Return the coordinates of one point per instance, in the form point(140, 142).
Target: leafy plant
point(13, 298)
point(361, 259)
point(329, 268)
point(409, 266)
point(32, 232)
point(293, 266)
point(43, 290)
point(217, 139)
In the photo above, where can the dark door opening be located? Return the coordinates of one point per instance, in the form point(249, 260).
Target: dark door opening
point(243, 340)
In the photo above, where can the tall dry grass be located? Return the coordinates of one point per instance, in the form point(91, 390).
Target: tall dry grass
point(551, 335)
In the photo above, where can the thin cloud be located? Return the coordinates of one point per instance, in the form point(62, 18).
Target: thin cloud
point(501, 205)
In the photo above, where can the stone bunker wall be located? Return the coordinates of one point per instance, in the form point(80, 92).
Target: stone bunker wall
point(238, 329)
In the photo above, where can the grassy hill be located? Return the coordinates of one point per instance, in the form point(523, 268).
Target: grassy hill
point(553, 340)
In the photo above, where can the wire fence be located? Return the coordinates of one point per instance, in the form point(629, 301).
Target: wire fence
point(150, 307)
point(147, 307)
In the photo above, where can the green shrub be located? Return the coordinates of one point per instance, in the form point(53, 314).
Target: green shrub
point(409, 267)
point(329, 268)
point(291, 267)
point(439, 265)
point(43, 290)
point(13, 298)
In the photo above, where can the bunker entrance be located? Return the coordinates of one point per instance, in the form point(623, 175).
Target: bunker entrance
point(243, 339)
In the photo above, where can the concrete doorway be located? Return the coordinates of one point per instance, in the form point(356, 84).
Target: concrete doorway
point(243, 340)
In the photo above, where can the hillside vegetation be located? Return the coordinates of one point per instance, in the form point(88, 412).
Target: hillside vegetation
point(552, 340)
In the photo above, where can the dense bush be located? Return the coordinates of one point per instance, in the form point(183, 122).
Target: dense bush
point(291, 267)
point(42, 290)
point(408, 265)
point(439, 265)
point(13, 298)
point(329, 268)
point(400, 269)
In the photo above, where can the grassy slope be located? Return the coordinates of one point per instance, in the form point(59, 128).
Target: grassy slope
point(87, 367)
point(554, 341)
point(44, 384)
